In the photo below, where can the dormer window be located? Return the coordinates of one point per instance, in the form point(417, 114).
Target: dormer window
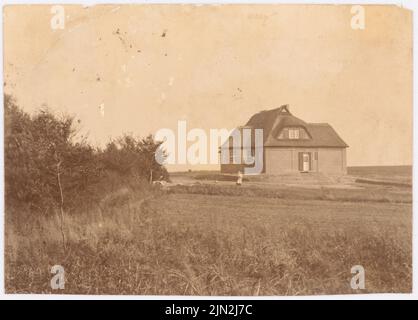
point(293, 133)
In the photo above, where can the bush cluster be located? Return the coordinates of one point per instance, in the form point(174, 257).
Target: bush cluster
point(49, 165)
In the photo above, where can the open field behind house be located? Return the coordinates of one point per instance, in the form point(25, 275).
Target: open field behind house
point(218, 239)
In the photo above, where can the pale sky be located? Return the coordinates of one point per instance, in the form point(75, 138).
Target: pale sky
point(215, 66)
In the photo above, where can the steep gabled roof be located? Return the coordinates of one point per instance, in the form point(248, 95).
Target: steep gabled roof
point(273, 121)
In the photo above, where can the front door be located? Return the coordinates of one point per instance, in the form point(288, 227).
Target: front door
point(306, 162)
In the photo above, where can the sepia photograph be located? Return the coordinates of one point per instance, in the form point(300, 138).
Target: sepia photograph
point(247, 150)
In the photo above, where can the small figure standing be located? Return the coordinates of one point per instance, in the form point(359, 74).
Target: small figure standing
point(239, 181)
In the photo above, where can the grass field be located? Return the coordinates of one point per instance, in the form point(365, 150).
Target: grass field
point(393, 172)
point(221, 240)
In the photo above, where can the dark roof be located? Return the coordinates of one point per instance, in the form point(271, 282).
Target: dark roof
point(273, 121)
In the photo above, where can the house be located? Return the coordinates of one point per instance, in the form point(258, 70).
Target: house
point(290, 145)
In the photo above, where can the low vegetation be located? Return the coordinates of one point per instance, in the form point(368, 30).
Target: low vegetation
point(150, 242)
point(395, 195)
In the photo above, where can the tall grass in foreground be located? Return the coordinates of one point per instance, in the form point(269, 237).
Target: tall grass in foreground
point(131, 246)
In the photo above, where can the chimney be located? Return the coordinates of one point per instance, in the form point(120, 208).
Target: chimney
point(284, 109)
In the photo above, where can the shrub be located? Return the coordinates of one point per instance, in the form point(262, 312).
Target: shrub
point(49, 166)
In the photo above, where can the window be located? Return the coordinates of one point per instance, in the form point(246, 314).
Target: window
point(284, 134)
point(293, 133)
point(235, 156)
point(231, 156)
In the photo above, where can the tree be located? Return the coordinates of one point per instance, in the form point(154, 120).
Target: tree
point(133, 156)
point(43, 163)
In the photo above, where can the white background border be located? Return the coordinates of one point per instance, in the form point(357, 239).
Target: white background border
point(409, 4)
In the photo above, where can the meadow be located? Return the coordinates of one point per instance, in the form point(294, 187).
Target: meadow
point(219, 239)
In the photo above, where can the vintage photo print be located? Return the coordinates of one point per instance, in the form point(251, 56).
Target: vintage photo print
point(207, 150)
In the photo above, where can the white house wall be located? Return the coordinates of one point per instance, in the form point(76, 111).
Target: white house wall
point(285, 160)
